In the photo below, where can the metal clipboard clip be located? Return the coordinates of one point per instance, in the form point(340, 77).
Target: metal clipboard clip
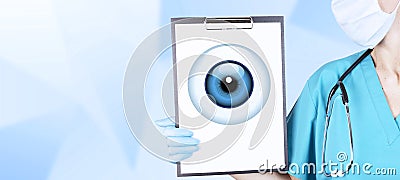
point(228, 23)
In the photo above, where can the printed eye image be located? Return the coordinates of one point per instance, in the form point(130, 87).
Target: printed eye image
point(229, 84)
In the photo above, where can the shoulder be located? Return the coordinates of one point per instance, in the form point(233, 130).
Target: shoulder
point(320, 83)
point(329, 73)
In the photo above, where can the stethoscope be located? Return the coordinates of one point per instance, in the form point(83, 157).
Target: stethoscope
point(329, 107)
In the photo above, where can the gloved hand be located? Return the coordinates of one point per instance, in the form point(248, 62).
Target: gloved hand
point(181, 144)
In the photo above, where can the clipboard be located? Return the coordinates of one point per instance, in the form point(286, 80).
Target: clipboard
point(253, 138)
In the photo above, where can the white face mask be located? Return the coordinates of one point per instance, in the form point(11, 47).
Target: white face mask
point(363, 20)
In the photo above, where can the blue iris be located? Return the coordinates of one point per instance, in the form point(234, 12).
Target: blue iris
point(229, 84)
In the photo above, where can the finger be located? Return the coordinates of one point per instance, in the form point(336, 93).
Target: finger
point(165, 122)
point(182, 150)
point(180, 157)
point(182, 141)
point(177, 132)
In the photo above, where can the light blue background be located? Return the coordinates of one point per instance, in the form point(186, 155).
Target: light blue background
point(61, 72)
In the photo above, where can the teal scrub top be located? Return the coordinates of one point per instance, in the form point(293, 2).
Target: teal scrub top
point(375, 130)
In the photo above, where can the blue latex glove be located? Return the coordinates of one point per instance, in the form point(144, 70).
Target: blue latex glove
point(181, 144)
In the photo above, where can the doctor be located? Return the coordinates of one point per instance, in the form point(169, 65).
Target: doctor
point(358, 136)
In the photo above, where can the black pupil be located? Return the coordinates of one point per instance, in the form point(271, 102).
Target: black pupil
point(228, 84)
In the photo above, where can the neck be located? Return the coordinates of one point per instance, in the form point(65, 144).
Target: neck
point(387, 53)
point(387, 64)
point(387, 58)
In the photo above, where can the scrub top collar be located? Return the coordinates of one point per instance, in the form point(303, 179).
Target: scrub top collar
point(381, 105)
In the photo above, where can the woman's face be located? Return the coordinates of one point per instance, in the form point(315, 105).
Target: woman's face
point(388, 6)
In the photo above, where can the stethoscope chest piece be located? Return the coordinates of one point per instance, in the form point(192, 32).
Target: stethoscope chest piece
point(337, 173)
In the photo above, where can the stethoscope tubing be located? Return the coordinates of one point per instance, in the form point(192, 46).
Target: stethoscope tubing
point(345, 100)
